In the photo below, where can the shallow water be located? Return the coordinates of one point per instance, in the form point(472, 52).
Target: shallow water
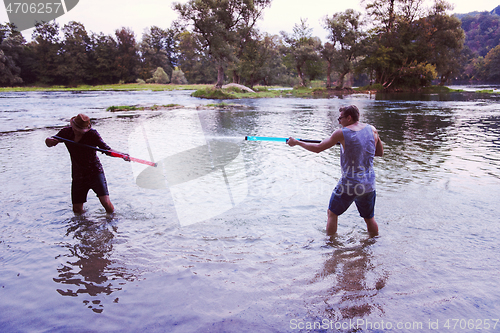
point(265, 265)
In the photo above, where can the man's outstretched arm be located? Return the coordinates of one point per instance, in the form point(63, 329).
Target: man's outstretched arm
point(336, 137)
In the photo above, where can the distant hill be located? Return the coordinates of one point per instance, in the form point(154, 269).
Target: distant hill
point(495, 11)
point(482, 30)
point(472, 14)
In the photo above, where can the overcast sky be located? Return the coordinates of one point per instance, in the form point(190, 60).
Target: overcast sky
point(108, 15)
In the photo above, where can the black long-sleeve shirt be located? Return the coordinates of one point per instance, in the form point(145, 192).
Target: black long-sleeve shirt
point(84, 161)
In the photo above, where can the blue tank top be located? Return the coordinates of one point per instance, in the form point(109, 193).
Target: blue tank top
point(356, 160)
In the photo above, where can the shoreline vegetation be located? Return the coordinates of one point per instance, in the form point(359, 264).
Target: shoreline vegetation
point(234, 91)
point(231, 92)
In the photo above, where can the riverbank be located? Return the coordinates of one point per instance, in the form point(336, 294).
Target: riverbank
point(200, 90)
point(112, 87)
point(209, 92)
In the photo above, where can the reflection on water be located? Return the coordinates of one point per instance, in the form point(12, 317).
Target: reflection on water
point(87, 269)
point(425, 139)
point(356, 284)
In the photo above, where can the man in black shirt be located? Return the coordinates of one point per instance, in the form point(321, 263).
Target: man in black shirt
point(86, 169)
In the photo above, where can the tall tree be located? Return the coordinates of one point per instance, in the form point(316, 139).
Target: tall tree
point(419, 44)
point(301, 47)
point(46, 50)
point(11, 51)
point(441, 41)
point(194, 60)
point(158, 49)
point(345, 35)
point(261, 61)
point(75, 54)
point(383, 14)
point(127, 59)
point(328, 53)
point(220, 23)
point(104, 67)
point(492, 65)
point(273, 69)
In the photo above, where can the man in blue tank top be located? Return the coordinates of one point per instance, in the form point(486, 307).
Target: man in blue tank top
point(359, 143)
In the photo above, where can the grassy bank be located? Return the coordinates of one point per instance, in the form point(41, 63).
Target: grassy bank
point(302, 92)
point(263, 92)
point(112, 87)
point(116, 108)
point(208, 91)
point(201, 90)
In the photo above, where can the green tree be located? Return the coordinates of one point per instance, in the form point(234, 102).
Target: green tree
point(11, 52)
point(377, 61)
point(441, 41)
point(391, 47)
point(104, 68)
point(273, 68)
point(260, 61)
point(478, 67)
point(383, 13)
point(345, 35)
point(75, 54)
point(221, 24)
point(46, 47)
point(247, 39)
point(492, 65)
point(127, 58)
point(411, 45)
point(194, 60)
point(328, 53)
point(158, 49)
point(301, 47)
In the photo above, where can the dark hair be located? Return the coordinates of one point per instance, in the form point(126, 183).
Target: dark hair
point(351, 110)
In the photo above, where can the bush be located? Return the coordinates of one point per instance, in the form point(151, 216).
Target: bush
point(235, 90)
point(160, 76)
point(178, 77)
point(212, 93)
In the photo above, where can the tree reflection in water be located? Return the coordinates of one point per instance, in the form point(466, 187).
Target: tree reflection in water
point(356, 282)
point(87, 268)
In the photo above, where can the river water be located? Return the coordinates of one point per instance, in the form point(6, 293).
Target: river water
point(177, 256)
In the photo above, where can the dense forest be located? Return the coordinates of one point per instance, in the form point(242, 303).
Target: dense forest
point(404, 47)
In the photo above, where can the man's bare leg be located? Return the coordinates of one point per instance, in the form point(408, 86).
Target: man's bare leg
point(78, 208)
point(372, 226)
point(106, 203)
point(331, 224)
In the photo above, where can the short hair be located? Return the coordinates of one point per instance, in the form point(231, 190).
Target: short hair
point(351, 110)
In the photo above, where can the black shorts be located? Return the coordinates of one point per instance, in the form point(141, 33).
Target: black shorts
point(364, 202)
point(80, 187)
